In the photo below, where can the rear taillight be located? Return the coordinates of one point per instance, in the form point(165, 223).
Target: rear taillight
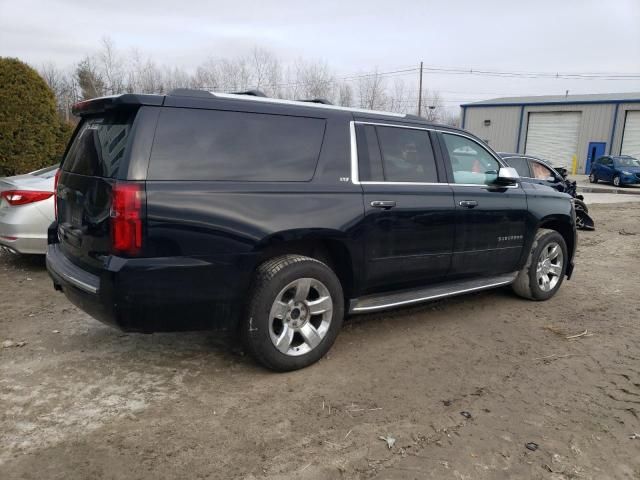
point(23, 197)
point(126, 218)
point(55, 192)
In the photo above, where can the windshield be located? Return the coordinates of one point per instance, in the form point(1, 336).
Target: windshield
point(626, 162)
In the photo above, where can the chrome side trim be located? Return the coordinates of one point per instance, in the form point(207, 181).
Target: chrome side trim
point(355, 178)
point(354, 154)
point(427, 294)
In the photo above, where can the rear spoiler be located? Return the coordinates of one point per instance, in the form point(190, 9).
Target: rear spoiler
point(127, 100)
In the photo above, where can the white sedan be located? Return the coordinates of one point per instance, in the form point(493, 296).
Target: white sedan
point(26, 211)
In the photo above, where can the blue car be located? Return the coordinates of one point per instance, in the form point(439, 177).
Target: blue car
point(621, 170)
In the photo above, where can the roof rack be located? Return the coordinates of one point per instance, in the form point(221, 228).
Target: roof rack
point(190, 92)
point(323, 101)
point(253, 93)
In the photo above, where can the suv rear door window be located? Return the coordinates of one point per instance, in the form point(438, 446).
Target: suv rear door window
point(100, 145)
point(224, 145)
point(407, 155)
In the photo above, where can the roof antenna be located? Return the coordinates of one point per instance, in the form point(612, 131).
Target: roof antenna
point(566, 94)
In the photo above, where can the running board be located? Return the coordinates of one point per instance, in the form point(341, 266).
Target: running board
point(383, 301)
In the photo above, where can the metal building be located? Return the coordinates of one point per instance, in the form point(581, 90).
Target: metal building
point(566, 130)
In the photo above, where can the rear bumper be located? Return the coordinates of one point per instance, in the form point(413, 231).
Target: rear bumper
point(23, 229)
point(152, 295)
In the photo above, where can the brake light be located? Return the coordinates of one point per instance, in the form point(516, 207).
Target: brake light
point(23, 197)
point(126, 218)
point(55, 192)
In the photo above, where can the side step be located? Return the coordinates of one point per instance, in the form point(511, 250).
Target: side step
point(383, 301)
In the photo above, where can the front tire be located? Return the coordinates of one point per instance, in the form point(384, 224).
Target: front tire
point(616, 181)
point(593, 178)
point(295, 313)
point(545, 269)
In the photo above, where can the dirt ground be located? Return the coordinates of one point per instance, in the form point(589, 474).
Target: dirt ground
point(80, 400)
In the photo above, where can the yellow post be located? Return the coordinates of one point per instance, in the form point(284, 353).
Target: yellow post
point(574, 165)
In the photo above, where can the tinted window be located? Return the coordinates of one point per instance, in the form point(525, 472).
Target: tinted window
point(626, 162)
point(407, 155)
point(369, 160)
point(540, 171)
point(100, 145)
point(470, 162)
point(520, 164)
point(219, 145)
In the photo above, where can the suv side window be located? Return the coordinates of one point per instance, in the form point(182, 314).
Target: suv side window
point(369, 158)
point(471, 162)
point(195, 144)
point(407, 155)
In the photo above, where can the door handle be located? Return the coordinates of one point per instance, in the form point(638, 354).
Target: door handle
point(386, 204)
point(468, 203)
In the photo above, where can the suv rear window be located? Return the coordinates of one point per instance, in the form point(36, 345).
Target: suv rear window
point(100, 145)
point(223, 145)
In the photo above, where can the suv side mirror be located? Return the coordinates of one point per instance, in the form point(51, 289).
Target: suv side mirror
point(507, 176)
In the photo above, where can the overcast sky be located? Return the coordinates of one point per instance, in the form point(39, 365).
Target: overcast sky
point(351, 36)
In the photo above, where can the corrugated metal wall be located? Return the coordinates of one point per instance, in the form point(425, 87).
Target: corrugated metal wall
point(502, 132)
point(621, 115)
point(595, 125)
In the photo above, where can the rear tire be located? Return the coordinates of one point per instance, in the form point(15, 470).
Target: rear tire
point(545, 268)
point(295, 313)
point(593, 178)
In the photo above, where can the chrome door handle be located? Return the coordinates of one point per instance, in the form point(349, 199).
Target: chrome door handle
point(386, 204)
point(468, 203)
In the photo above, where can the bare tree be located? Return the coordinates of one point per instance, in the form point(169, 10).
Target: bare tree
point(432, 103)
point(111, 66)
point(90, 80)
point(399, 99)
point(313, 80)
point(345, 95)
point(371, 91)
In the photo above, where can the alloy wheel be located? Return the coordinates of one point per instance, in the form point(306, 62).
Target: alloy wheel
point(549, 267)
point(300, 316)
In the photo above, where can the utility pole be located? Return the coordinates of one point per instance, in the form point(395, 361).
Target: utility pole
point(420, 92)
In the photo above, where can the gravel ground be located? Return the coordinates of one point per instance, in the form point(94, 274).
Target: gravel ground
point(80, 400)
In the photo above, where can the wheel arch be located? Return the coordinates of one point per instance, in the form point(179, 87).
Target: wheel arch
point(329, 246)
point(565, 227)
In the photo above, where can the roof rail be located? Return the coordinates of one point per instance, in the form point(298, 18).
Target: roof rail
point(410, 116)
point(253, 93)
point(190, 92)
point(323, 101)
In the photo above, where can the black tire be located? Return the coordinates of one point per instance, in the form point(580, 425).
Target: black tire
point(526, 284)
point(593, 178)
point(256, 328)
point(616, 181)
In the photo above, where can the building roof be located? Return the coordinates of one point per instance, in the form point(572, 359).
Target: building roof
point(559, 99)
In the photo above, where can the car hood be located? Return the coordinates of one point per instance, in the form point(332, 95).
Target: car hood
point(629, 169)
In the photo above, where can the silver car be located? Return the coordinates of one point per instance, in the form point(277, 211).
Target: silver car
point(26, 211)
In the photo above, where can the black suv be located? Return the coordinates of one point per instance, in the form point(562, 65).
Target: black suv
point(203, 210)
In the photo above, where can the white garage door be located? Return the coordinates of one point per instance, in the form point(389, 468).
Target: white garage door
point(553, 136)
point(631, 135)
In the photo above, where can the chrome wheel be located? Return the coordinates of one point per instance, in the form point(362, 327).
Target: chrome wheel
point(549, 268)
point(300, 316)
point(616, 181)
point(592, 178)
